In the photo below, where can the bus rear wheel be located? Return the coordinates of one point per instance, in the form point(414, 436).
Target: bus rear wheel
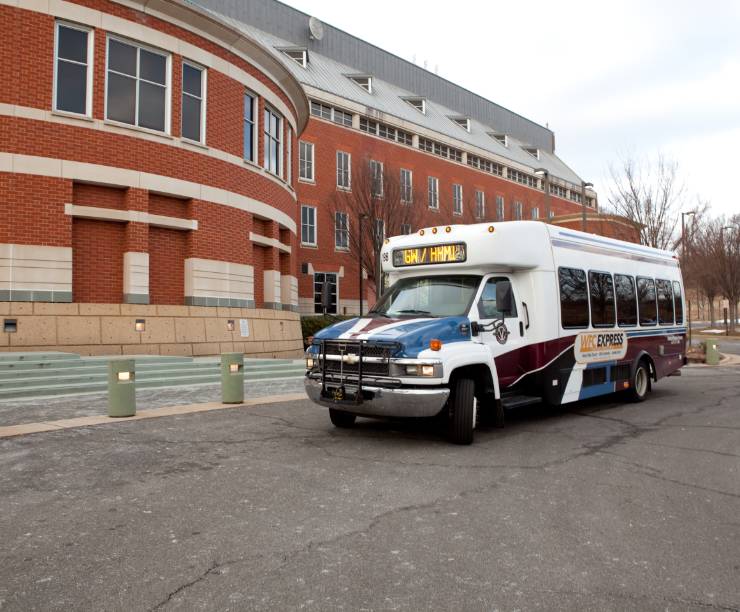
point(640, 384)
point(342, 419)
point(462, 412)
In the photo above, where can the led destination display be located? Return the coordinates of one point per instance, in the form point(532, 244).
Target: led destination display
point(433, 254)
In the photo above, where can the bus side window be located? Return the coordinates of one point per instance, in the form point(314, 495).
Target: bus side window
point(601, 290)
point(573, 298)
point(678, 301)
point(647, 301)
point(665, 302)
point(626, 300)
point(487, 308)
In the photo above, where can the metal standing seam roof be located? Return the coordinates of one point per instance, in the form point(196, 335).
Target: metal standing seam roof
point(330, 76)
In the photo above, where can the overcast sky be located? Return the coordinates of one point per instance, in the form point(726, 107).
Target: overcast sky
point(629, 78)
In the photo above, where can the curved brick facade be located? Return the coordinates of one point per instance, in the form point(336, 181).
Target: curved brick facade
point(110, 217)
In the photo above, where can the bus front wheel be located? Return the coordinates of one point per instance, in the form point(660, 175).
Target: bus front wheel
point(342, 419)
point(462, 412)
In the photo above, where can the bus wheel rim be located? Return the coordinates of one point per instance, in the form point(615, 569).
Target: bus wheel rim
point(641, 381)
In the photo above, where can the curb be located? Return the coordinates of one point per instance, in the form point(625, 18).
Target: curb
point(154, 413)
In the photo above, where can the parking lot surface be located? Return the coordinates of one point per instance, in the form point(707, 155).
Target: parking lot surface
point(598, 505)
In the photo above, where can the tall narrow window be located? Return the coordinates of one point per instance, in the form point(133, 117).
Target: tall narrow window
point(376, 172)
point(273, 129)
point(308, 225)
point(250, 129)
point(573, 298)
point(193, 102)
point(646, 301)
point(499, 208)
point(305, 161)
point(405, 228)
point(601, 288)
point(457, 199)
point(138, 86)
point(480, 204)
point(535, 213)
point(72, 70)
point(678, 302)
point(289, 155)
point(406, 186)
point(626, 300)
point(517, 211)
point(341, 230)
point(344, 170)
point(433, 189)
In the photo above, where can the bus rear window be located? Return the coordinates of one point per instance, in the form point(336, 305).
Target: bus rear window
point(646, 301)
point(678, 302)
point(665, 302)
point(573, 298)
point(626, 300)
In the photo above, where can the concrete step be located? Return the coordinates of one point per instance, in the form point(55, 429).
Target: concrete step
point(37, 356)
point(43, 364)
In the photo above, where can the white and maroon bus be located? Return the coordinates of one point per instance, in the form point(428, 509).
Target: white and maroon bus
point(481, 318)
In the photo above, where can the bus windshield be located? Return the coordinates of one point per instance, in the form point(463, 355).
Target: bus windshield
point(428, 296)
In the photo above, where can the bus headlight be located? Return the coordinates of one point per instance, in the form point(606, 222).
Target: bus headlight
point(310, 362)
point(428, 370)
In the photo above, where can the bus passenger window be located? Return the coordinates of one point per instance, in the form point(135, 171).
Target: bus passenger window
point(665, 302)
point(626, 300)
point(573, 298)
point(487, 304)
point(678, 301)
point(646, 301)
point(601, 291)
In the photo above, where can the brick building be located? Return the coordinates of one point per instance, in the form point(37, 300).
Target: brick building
point(180, 163)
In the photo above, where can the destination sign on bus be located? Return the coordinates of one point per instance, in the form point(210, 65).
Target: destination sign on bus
point(433, 254)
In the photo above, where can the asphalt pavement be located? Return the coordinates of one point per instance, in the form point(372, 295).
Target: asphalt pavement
point(597, 506)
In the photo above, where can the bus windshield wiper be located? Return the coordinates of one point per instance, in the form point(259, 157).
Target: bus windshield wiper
point(413, 311)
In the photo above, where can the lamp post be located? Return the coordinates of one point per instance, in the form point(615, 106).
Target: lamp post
point(359, 248)
point(584, 186)
point(683, 257)
point(546, 177)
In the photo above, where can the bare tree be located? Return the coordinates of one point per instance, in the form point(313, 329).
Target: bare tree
point(377, 197)
point(651, 194)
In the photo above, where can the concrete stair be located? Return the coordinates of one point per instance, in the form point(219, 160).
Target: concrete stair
point(27, 375)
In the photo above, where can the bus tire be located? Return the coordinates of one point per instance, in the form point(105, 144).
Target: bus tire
point(462, 412)
point(640, 383)
point(340, 418)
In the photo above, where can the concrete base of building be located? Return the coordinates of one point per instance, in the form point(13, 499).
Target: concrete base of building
point(137, 329)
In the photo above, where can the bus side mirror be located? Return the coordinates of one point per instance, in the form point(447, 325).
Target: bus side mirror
point(504, 299)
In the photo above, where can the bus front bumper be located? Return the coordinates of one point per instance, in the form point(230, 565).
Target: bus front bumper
point(383, 402)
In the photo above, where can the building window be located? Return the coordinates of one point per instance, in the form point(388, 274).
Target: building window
point(499, 208)
point(626, 300)
point(573, 298)
point(385, 131)
point(305, 161)
point(442, 150)
point(138, 86)
point(433, 189)
point(289, 155)
point(535, 213)
point(344, 170)
point(646, 300)
point(521, 177)
point(363, 80)
point(193, 103)
point(405, 229)
point(72, 70)
point(502, 139)
point(341, 230)
point(325, 287)
point(250, 128)
point(308, 225)
point(320, 110)
point(273, 142)
point(341, 117)
point(419, 104)
point(533, 151)
point(297, 54)
point(457, 199)
point(486, 165)
point(376, 173)
point(406, 186)
point(480, 205)
point(518, 211)
point(330, 113)
point(463, 122)
point(601, 288)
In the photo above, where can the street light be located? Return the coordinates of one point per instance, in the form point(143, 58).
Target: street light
point(546, 175)
point(359, 248)
point(584, 186)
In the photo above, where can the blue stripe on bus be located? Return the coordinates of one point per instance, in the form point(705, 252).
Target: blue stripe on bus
point(601, 389)
point(657, 331)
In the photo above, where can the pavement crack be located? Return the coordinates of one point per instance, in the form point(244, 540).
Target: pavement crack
point(212, 569)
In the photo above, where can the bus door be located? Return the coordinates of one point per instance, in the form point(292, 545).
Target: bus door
point(501, 325)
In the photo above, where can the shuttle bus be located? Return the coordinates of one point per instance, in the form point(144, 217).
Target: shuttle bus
point(482, 318)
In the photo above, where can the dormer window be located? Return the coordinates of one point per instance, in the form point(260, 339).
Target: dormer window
point(533, 151)
point(419, 104)
point(298, 54)
point(463, 122)
point(502, 139)
point(363, 80)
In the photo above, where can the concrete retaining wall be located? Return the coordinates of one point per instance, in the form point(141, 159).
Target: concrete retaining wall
point(109, 329)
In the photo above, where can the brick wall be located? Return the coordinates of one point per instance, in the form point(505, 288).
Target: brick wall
point(167, 250)
point(96, 195)
point(97, 261)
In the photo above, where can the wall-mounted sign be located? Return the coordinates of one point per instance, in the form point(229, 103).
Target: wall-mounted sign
point(243, 328)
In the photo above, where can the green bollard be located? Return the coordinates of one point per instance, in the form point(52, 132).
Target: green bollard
point(711, 353)
point(232, 378)
point(121, 388)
